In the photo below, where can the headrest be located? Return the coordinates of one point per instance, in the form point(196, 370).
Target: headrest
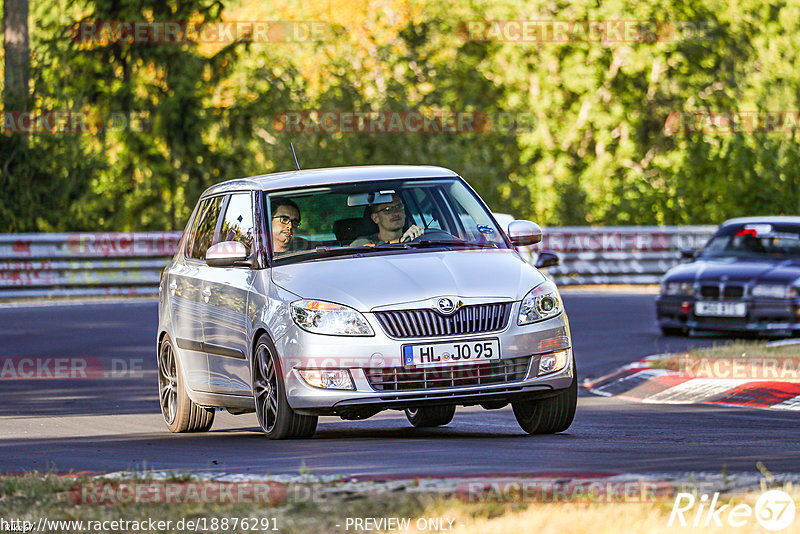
point(347, 230)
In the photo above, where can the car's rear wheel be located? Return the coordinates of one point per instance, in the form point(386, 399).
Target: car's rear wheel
point(550, 415)
point(277, 419)
point(180, 413)
point(428, 416)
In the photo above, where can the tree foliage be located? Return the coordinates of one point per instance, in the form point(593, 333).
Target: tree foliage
point(591, 142)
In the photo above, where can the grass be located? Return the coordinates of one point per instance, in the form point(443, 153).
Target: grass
point(306, 510)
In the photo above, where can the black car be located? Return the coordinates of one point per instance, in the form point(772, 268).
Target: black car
point(745, 279)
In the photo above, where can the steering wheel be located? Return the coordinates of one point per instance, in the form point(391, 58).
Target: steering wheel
point(432, 234)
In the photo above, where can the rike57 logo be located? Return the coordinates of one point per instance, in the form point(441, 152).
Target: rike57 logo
point(774, 510)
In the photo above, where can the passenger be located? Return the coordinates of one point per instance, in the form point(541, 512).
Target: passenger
point(285, 223)
point(391, 219)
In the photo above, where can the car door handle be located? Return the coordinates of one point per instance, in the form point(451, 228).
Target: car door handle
point(173, 286)
point(206, 294)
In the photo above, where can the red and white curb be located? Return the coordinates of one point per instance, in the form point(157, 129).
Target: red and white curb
point(640, 382)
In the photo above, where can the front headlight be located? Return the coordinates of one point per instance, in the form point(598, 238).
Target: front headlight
point(677, 288)
point(541, 302)
point(320, 317)
point(771, 291)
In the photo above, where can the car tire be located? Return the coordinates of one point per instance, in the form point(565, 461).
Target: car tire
point(673, 331)
point(430, 416)
point(549, 415)
point(180, 413)
point(277, 419)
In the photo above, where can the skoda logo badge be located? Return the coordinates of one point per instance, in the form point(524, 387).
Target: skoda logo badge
point(446, 305)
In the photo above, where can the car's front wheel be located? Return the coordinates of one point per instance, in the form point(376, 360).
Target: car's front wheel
point(180, 413)
point(550, 415)
point(429, 416)
point(277, 419)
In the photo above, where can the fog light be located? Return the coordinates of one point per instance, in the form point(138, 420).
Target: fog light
point(555, 361)
point(327, 379)
point(686, 307)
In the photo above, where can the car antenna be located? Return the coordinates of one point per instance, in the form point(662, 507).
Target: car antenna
point(297, 165)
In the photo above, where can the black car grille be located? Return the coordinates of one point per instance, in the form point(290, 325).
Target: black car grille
point(428, 323)
point(709, 291)
point(728, 292)
point(496, 372)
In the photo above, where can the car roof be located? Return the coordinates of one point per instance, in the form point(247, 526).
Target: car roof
point(332, 175)
point(776, 219)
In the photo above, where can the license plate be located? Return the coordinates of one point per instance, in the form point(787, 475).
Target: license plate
point(455, 353)
point(721, 309)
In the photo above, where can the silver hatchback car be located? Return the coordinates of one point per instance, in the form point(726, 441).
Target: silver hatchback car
point(353, 290)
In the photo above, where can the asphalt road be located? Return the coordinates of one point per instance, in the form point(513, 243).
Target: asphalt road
point(113, 422)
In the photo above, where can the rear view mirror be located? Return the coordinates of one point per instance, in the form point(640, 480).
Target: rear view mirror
point(369, 199)
point(227, 254)
point(524, 233)
point(688, 254)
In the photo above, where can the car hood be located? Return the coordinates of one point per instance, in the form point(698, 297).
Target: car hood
point(743, 270)
point(376, 280)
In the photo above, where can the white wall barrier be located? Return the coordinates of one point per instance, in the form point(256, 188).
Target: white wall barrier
point(85, 264)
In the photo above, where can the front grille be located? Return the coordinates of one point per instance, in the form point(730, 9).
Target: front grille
point(709, 291)
point(733, 292)
point(728, 292)
point(496, 372)
point(428, 323)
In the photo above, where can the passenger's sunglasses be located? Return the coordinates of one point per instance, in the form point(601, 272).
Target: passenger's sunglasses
point(286, 220)
point(390, 209)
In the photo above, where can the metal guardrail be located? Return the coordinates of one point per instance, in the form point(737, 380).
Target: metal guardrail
point(83, 264)
point(89, 264)
point(617, 254)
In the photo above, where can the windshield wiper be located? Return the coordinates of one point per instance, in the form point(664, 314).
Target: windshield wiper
point(327, 252)
point(427, 243)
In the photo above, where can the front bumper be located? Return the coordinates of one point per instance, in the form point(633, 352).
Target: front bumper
point(300, 349)
point(762, 315)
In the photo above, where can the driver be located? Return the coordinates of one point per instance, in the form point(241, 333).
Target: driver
point(285, 222)
point(391, 219)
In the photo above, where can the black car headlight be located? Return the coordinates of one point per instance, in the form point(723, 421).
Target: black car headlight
point(684, 289)
point(542, 302)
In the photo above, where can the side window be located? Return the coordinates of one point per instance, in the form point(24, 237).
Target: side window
point(204, 229)
point(237, 225)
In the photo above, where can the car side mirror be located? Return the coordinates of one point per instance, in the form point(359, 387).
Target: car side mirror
point(547, 258)
point(524, 233)
point(688, 254)
point(227, 254)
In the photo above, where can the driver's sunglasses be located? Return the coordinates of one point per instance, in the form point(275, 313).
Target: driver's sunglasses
point(285, 220)
point(390, 209)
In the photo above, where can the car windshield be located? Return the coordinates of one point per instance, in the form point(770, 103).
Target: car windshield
point(760, 240)
point(372, 217)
